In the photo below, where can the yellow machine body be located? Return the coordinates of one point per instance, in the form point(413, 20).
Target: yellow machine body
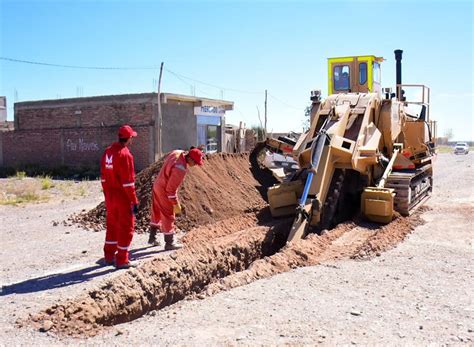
point(377, 204)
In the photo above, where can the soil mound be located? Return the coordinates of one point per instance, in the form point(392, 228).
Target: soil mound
point(226, 185)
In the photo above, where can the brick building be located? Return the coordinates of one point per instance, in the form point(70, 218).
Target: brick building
point(74, 132)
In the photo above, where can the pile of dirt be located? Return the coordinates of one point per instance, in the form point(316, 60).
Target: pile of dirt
point(227, 185)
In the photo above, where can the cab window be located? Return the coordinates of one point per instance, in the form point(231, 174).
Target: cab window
point(362, 73)
point(376, 72)
point(341, 76)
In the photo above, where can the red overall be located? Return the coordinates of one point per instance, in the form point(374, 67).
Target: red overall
point(118, 182)
point(165, 189)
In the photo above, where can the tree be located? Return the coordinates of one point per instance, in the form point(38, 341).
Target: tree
point(448, 133)
point(307, 118)
point(259, 131)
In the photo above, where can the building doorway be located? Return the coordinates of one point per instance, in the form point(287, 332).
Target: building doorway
point(208, 138)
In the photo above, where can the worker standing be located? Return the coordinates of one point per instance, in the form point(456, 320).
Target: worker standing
point(118, 183)
point(165, 202)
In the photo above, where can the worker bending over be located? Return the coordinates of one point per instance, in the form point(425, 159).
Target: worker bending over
point(165, 202)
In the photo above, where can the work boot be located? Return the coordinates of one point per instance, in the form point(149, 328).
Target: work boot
point(152, 239)
point(128, 265)
point(171, 244)
point(104, 262)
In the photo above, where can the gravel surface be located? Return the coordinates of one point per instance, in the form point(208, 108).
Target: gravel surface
point(417, 293)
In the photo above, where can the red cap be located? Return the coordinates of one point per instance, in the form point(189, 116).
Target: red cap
point(126, 131)
point(196, 155)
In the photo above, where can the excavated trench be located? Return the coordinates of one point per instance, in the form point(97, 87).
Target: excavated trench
point(231, 241)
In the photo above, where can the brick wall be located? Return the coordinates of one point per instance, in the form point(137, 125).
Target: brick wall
point(102, 111)
point(31, 147)
point(82, 147)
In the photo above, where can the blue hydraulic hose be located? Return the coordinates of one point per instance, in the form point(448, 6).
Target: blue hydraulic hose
point(309, 179)
point(316, 153)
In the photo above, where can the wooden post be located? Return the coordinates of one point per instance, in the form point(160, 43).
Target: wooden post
point(160, 117)
point(265, 128)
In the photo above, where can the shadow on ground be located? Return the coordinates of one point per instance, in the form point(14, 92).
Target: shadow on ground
point(64, 279)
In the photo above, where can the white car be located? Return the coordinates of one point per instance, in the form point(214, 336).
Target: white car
point(211, 147)
point(461, 148)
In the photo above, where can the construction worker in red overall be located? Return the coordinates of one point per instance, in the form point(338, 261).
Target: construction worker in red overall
point(165, 202)
point(118, 183)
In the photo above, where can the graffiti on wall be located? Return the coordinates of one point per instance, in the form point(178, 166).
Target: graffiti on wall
point(81, 146)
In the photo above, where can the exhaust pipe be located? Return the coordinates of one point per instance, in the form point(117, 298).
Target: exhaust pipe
point(398, 59)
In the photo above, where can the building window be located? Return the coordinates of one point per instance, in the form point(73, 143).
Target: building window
point(362, 73)
point(211, 145)
point(341, 76)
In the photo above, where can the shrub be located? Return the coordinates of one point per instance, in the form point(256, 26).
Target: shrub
point(46, 182)
point(20, 175)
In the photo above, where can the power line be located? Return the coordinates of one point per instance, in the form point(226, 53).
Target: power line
point(284, 103)
point(78, 66)
point(212, 85)
point(187, 83)
point(182, 77)
point(177, 75)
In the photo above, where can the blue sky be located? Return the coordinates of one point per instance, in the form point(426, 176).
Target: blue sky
point(243, 47)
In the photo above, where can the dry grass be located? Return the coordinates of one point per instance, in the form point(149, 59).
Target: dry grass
point(72, 189)
point(22, 190)
point(444, 149)
point(19, 175)
point(449, 149)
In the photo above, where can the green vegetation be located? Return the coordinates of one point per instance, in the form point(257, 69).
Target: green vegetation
point(19, 175)
point(46, 182)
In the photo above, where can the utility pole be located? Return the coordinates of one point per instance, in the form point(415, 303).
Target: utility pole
point(261, 125)
point(265, 129)
point(160, 118)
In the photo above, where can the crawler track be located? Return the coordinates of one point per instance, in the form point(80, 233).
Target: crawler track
point(411, 188)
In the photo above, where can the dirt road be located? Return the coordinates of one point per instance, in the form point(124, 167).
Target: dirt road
point(417, 293)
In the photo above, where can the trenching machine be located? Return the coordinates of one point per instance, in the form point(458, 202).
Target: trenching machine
point(366, 149)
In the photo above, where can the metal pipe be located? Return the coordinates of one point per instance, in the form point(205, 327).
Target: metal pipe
point(398, 59)
point(388, 169)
